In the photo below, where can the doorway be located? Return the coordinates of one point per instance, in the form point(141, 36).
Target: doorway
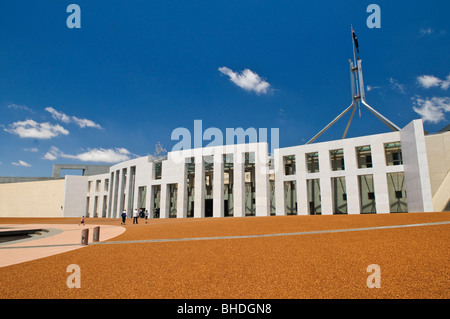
point(208, 207)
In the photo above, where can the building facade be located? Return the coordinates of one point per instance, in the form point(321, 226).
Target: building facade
point(382, 173)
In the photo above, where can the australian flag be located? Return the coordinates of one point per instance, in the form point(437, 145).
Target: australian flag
point(355, 40)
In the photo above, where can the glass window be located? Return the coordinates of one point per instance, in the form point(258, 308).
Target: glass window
point(314, 198)
point(337, 160)
point(289, 164)
point(312, 162)
point(364, 156)
point(290, 197)
point(366, 194)
point(338, 189)
point(393, 152)
point(158, 170)
point(397, 192)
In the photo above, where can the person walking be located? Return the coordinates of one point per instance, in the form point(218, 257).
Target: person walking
point(124, 217)
point(82, 221)
point(135, 216)
point(146, 215)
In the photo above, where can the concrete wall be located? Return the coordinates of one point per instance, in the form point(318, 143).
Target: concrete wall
point(417, 176)
point(32, 199)
point(415, 168)
point(378, 172)
point(126, 178)
point(76, 188)
point(438, 155)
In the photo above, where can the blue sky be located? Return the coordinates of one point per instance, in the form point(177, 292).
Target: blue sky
point(137, 70)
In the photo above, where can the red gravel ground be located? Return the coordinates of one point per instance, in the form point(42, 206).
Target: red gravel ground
point(413, 261)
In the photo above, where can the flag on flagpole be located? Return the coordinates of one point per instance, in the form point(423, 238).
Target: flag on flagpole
point(355, 40)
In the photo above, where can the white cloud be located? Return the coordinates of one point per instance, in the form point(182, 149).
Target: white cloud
point(58, 115)
point(397, 86)
point(446, 83)
point(71, 119)
point(370, 88)
point(31, 149)
point(112, 155)
point(247, 79)
point(431, 110)
point(13, 106)
point(32, 129)
point(21, 163)
point(428, 81)
point(426, 31)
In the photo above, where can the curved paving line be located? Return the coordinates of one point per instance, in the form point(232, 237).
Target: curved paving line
point(239, 236)
point(267, 235)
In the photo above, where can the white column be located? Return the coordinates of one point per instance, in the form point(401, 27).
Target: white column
point(182, 194)
point(326, 198)
point(199, 199)
point(218, 187)
point(415, 163)
point(120, 201)
point(239, 184)
point(279, 183)
point(262, 199)
point(151, 201)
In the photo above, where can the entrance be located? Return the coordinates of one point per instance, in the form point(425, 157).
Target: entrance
point(208, 207)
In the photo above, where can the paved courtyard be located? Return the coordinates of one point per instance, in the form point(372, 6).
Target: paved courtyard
point(289, 257)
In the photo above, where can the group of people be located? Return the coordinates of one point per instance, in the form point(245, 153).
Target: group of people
point(136, 215)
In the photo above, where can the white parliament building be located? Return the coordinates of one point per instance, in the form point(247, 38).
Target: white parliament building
point(405, 170)
point(383, 173)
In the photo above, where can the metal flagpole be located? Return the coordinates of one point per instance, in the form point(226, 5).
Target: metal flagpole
point(353, 42)
point(355, 67)
point(358, 97)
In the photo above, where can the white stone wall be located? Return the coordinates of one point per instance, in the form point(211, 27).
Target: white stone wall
point(415, 169)
point(75, 196)
point(123, 193)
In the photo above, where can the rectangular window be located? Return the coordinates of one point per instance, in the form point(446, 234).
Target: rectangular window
point(208, 162)
point(190, 184)
point(364, 156)
point(156, 198)
point(337, 160)
point(393, 152)
point(249, 168)
point(158, 170)
point(314, 198)
point(397, 192)
point(290, 198)
point(366, 194)
point(173, 195)
point(312, 161)
point(338, 189)
point(289, 164)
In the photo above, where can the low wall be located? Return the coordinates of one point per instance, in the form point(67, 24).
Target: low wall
point(32, 199)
